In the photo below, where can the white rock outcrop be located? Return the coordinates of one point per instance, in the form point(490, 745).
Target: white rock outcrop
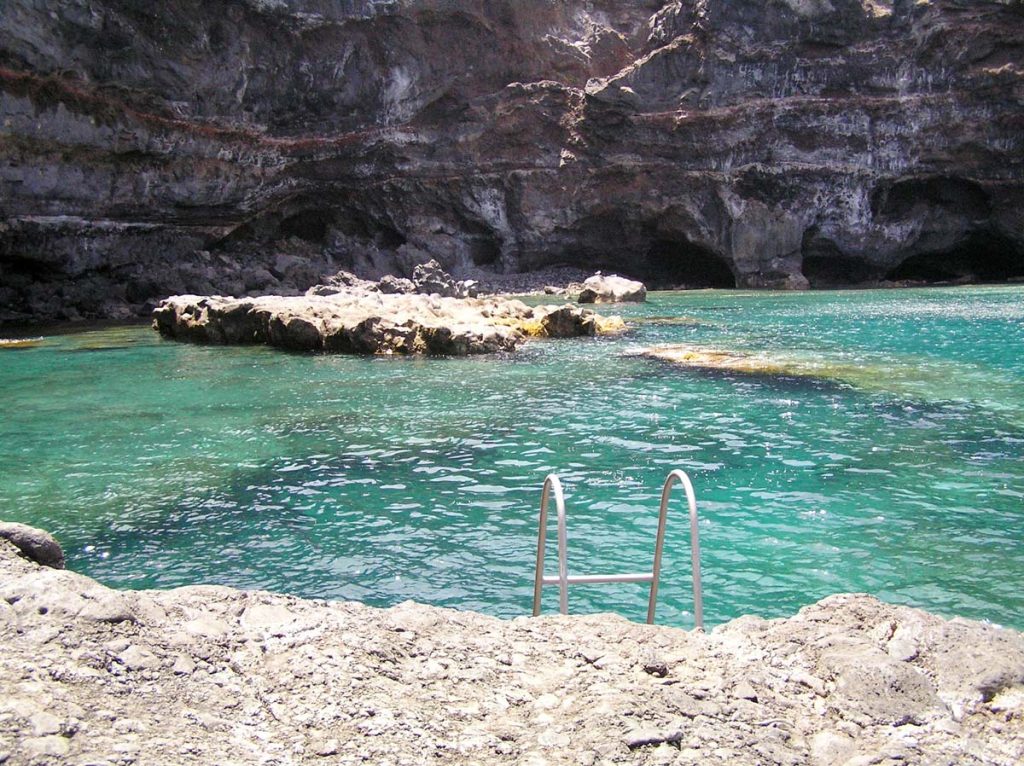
point(352, 320)
point(612, 289)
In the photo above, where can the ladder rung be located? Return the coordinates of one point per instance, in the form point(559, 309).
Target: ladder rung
point(594, 579)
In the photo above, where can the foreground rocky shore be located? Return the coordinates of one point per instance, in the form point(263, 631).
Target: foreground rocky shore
point(212, 675)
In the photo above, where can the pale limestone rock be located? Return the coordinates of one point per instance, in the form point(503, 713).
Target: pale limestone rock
point(46, 747)
point(612, 289)
point(257, 677)
point(360, 321)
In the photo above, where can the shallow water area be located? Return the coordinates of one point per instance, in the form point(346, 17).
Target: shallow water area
point(160, 464)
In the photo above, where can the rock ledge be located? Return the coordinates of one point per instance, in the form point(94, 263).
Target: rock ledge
point(213, 675)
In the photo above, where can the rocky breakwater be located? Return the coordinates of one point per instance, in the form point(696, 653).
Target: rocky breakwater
point(351, 316)
point(213, 675)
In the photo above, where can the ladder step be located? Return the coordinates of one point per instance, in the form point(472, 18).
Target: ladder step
point(594, 579)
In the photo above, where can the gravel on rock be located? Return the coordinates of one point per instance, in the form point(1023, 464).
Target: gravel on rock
point(213, 675)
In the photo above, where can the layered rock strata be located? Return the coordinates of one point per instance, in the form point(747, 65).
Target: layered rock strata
point(354, 321)
point(247, 147)
point(206, 675)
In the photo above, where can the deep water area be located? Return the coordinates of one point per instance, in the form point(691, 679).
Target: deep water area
point(895, 467)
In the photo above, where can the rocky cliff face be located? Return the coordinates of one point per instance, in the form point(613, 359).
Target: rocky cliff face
point(243, 146)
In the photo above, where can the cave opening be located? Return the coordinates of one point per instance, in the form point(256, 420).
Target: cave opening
point(387, 238)
point(484, 250)
point(680, 264)
point(824, 265)
point(367, 228)
point(952, 195)
point(982, 257)
point(308, 225)
point(836, 271)
point(27, 267)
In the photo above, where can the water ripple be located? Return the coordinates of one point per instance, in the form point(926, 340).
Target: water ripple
point(160, 464)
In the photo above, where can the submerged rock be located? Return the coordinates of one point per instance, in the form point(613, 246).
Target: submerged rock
point(212, 675)
point(354, 321)
point(15, 344)
point(746, 362)
point(612, 289)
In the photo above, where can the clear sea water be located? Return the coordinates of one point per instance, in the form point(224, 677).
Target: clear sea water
point(896, 469)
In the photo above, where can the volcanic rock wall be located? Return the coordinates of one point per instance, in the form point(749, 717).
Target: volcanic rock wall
point(247, 146)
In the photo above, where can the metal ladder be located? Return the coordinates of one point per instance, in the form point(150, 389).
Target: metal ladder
point(563, 579)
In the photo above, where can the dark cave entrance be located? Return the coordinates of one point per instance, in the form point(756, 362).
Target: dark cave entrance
point(836, 271)
point(484, 250)
point(824, 265)
point(906, 198)
point(680, 264)
point(982, 257)
point(309, 225)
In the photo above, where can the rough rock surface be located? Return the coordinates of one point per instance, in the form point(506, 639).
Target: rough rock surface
point(352, 320)
point(34, 544)
point(252, 146)
point(612, 288)
point(212, 675)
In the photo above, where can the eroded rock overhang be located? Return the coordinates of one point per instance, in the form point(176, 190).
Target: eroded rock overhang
point(243, 147)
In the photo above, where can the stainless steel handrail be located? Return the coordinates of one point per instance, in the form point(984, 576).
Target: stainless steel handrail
point(552, 482)
point(563, 580)
point(691, 501)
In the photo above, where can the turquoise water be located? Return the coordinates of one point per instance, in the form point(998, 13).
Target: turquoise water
point(160, 464)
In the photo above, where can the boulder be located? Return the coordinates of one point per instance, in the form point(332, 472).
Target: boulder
point(34, 544)
point(430, 279)
point(612, 289)
point(395, 285)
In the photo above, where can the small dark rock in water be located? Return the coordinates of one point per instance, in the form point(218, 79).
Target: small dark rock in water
point(34, 544)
